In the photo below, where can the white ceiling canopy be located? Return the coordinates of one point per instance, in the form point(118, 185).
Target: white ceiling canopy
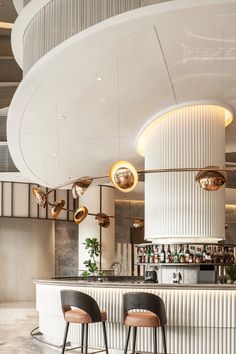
point(82, 105)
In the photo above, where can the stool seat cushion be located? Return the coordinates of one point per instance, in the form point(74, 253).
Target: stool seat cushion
point(142, 319)
point(80, 316)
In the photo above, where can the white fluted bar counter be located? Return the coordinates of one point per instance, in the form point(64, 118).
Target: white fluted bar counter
point(201, 318)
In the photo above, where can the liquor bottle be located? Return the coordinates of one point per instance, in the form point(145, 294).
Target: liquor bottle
point(226, 255)
point(191, 260)
point(198, 257)
point(204, 254)
point(156, 256)
point(231, 256)
point(194, 254)
point(187, 254)
point(175, 255)
point(215, 255)
point(168, 255)
point(208, 256)
point(152, 257)
point(162, 255)
point(147, 260)
point(140, 255)
point(181, 255)
point(144, 255)
point(221, 255)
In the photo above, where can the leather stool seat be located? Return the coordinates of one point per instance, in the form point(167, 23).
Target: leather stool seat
point(142, 319)
point(80, 316)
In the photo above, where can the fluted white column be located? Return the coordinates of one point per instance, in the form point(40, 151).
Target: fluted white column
point(176, 208)
point(98, 199)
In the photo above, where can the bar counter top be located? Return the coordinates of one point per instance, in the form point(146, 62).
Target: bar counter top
point(133, 284)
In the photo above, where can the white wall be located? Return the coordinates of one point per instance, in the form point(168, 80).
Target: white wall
point(26, 252)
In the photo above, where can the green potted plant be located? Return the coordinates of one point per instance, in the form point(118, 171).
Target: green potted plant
point(231, 272)
point(93, 247)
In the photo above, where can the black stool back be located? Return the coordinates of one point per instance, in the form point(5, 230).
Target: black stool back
point(145, 301)
point(82, 301)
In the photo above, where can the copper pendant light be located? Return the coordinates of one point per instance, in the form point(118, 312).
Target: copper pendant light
point(80, 214)
point(138, 223)
point(102, 220)
point(57, 208)
point(80, 186)
point(211, 180)
point(40, 195)
point(124, 176)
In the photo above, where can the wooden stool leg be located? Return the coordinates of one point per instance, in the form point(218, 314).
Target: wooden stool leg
point(127, 340)
point(65, 337)
point(164, 339)
point(155, 340)
point(82, 338)
point(105, 336)
point(86, 338)
point(134, 339)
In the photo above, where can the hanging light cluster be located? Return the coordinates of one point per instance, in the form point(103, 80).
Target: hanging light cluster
point(124, 177)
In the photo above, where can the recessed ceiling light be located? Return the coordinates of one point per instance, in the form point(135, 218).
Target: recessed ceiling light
point(62, 117)
point(103, 100)
point(99, 78)
point(54, 154)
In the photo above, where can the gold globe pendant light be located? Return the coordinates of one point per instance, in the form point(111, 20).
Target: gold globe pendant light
point(124, 176)
point(40, 196)
point(80, 214)
point(138, 223)
point(80, 186)
point(211, 180)
point(102, 220)
point(57, 208)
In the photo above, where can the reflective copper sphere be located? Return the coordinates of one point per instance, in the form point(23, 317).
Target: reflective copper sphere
point(138, 223)
point(41, 196)
point(57, 208)
point(80, 214)
point(80, 186)
point(102, 220)
point(211, 180)
point(124, 176)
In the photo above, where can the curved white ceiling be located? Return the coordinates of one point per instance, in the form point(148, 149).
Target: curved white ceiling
point(64, 123)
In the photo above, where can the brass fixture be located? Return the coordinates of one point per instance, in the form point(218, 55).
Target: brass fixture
point(124, 176)
point(80, 186)
point(41, 196)
point(211, 180)
point(138, 223)
point(80, 214)
point(102, 220)
point(57, 208)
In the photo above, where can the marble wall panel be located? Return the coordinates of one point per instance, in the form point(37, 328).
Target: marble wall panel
point(66, 249)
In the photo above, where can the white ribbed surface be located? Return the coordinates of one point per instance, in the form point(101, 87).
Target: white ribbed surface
point(61, 19)
point(199, 321)
point(175, 206)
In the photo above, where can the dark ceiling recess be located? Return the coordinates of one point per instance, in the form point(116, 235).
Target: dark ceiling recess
point(10, 73)
point(10, 77)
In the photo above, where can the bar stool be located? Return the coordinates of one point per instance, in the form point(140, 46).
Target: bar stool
point(155, 317)
point(86, 312)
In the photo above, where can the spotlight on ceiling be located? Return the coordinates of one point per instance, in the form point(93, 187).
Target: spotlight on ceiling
point(102, 220)
point(40, 196)
point(80, 214)
point(124, 176)
point(57, 208)
point(211, 180)
point(138, 223)
point(80, 186)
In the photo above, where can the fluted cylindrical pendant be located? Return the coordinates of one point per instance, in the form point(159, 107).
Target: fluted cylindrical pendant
point(176, 208)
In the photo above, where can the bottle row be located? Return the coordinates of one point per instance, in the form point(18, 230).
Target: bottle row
point(185, 254)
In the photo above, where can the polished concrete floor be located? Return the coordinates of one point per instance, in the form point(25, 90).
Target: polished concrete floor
point(16, 322)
